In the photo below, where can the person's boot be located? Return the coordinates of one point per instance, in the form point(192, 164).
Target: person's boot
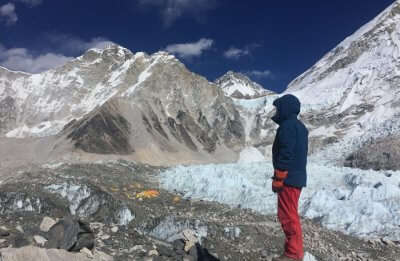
point(283, 258)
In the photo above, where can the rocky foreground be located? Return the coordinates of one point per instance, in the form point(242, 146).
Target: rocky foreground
point(116, 211)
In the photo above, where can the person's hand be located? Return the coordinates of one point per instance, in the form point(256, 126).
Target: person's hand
point(279, 177)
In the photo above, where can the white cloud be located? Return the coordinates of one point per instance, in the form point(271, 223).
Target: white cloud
point(8, 13)
point(260, 74)
point(188, 50)
point(171, 10)
point(75, 45)
point(22, 59)
point(30, 2)
point(236, 53)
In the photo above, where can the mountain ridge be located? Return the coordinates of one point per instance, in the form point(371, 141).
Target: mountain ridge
point(113, 101)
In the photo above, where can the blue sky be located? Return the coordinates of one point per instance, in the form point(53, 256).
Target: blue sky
point(270, 41)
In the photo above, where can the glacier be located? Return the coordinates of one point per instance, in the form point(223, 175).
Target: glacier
point(362, 203)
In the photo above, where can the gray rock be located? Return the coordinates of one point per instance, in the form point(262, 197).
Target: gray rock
point(380, 154)
point(39, 240)
point(70, 235)
point(20, 229)
point(64, 234)
point(4, 233)
point(47, 223)
point(166, 251)
point(171, 228)
point(137, 248)
point(153, 252)
point(114, 229)
point(179, 246)
point(21, 241)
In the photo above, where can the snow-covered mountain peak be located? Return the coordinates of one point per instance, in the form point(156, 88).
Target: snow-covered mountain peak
point(351, 95)
point(238, 85)
point(110, 52)
point(373, 47)
point(112, 47)
point(232, 77)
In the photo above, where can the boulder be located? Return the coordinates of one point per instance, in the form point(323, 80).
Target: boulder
point(70, 235)
point(47, 223)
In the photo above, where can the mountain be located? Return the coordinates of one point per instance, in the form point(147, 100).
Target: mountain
point(116, 102)
point(239, 86)
point(113, 101)
point(351, 96)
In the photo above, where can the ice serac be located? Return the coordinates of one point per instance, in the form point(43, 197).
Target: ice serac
point(10, 97)
point(253, 103)
point(237, 85)
point(351, 96)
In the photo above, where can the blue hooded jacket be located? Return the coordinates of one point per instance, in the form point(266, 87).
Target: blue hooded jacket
point(290, 148)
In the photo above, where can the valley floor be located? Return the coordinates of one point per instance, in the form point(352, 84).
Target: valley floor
point(230, 233)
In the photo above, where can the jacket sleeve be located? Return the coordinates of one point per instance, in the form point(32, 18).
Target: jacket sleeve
point(286, 145)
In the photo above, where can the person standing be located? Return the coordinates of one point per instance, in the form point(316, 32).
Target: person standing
point(289, 156)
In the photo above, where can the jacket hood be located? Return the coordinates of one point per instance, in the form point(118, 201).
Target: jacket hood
point(287, 106)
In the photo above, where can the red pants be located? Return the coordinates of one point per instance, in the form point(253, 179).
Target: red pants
point(288, 201)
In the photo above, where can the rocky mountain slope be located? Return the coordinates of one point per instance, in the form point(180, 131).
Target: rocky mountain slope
point(114, 101)
point(238, 85)
point(352, 94)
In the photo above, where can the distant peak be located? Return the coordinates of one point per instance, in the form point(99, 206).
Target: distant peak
point(236, 76)
point(238, 85)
